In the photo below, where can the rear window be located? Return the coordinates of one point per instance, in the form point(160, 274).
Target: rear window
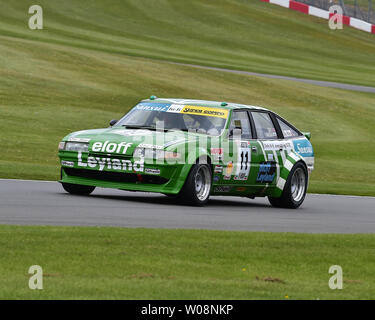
point(264, 126)
point(287, 130)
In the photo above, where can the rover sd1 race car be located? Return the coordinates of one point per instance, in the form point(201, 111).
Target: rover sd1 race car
point(191, 149)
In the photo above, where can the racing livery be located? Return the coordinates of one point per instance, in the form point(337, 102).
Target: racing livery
point(192, 149)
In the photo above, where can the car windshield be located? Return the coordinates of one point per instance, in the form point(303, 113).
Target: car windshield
point(166, 116)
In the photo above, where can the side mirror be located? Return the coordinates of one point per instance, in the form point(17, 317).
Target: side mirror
point(112, 122)
point(307, 135)
point(235, 132)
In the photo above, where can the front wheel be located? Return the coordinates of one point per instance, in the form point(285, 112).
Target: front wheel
point(77, 188)
point(294, 190)
point(196, 190)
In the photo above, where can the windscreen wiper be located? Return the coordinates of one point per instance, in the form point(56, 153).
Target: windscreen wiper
point(134, 126)
point(130, 126)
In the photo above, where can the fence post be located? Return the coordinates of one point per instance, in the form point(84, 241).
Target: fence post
point(343, 6)
point(369, 10)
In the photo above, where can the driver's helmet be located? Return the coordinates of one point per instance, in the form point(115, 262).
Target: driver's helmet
point(171, 120)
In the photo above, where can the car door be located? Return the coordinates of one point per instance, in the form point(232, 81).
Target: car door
point(271, 149)
point(241, 146)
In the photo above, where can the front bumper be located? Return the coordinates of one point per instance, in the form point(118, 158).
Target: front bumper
point(169, 178)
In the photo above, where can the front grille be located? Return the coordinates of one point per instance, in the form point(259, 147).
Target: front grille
point(105, 154)
point(115, 176)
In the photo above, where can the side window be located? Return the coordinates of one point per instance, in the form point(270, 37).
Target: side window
point(240, 120)
point(287, 131)
point(264, 125)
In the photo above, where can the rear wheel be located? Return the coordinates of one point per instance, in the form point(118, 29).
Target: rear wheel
point(294, 190)
point(196, 190)
point(78, 189)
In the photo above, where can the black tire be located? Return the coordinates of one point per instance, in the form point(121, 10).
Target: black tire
point(78, 189)
point(289, 198)
point(189, 194)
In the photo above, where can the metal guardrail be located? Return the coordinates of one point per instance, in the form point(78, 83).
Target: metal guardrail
point(360, 9)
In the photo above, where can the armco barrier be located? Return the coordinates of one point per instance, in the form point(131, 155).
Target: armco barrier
point(324, 14)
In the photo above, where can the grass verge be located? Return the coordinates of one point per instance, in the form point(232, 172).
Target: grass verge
point(120, 263)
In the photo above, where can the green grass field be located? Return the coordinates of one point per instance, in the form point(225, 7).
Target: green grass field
point(93, 61)
point(241, 34)
point(118, 263)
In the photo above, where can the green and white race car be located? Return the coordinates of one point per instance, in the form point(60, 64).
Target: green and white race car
point(192, 149)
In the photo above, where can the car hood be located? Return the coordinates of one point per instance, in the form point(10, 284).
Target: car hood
point(124, 141)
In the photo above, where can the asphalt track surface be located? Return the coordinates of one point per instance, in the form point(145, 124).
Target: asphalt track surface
point(46, 203)
point(326, 84)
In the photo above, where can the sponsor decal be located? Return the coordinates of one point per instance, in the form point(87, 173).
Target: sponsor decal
point(100, 164)
point(241, 176)
point(303, 147)
point(222, 189)
point(175, 108)
point(69, 164)
point(243, 163)
point(79, 140)
point(287, 133)
point(150, 146)
point(111, 147)
point(216, 178)
point(152, 171)
point(205, 111)
point(277, 145)
point(185, 109)
point(267, 172)
point(218, 169)
point(153, 106)
point(217, 153)
point(228, 171)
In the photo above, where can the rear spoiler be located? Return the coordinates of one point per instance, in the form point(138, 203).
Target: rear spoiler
point(307, 135)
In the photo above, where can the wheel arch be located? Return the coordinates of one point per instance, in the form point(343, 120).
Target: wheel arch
point(291, 160)
point(192, 160)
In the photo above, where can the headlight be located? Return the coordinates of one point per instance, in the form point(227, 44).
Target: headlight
point(62, 145)
point(77, 146)
point(139, 153)
point(155, 154)
point(172, 155)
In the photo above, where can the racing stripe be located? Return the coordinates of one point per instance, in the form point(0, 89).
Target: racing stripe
point(281, 183)
point(277, 165)
point(293, 156)
point(288, 165)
